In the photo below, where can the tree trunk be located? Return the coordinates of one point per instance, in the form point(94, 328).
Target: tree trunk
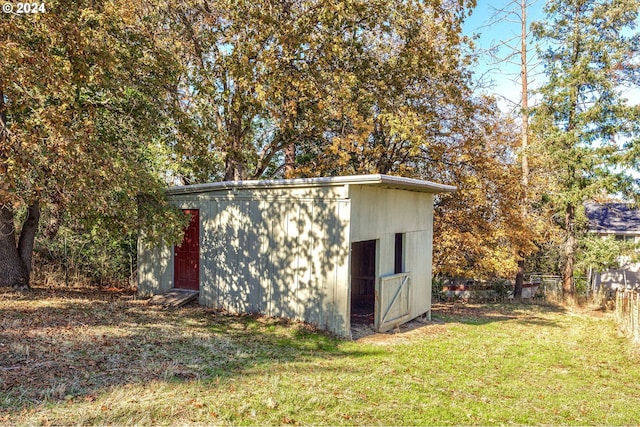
point(28, 236)
point(517, 290)
point(15, 260)
point(289, 160)
point(234, 166)
point(568, 286)
point(524, 134)
point(13, 271)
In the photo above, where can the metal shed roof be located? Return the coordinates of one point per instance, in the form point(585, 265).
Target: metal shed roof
point(377, 179)
point(613, 218)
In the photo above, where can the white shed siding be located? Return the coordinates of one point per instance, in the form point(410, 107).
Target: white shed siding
point(275, 254)
point(380, 213)
point(378, 210)
point(282, 248)
point(418, 254)
point(155, 272)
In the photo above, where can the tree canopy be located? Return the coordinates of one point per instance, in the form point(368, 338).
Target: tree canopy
point(587, 131)
point(79, 90)
point(104, 104)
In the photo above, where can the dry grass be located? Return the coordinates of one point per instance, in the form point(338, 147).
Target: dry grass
point(61, 344)
point(73, 356)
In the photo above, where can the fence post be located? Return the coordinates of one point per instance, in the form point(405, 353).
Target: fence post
point(632, 312)
point(627, 313)
point(636, 312)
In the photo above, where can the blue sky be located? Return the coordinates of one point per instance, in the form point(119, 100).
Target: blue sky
point(504, 76)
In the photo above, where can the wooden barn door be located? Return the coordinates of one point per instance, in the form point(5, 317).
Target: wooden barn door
point(186, 264)
point(394, 301)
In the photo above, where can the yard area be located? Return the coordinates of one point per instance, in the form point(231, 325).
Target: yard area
point(73, 356)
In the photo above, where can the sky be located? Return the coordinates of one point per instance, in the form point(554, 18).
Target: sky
point(503, 76)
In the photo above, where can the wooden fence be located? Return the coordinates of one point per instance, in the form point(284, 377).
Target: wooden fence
point(628, 313)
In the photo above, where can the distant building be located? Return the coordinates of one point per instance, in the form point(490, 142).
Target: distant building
point(622, 221)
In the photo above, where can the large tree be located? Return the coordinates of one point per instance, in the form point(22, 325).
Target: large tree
point(515, 51)
point(479, 229)
point(79, 87)
point(586, 129)
point(312, 87)
point(408, 79)
point(260, 79)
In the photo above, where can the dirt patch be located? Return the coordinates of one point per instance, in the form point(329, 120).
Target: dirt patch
point(447, 313)
point(413, 329)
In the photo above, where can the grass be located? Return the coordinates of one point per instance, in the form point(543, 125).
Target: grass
point(103, 358)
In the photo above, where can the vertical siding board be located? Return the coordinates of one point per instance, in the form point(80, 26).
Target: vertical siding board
point(270, 273)
point(342, 320)
point(309, 298)
point(245, 289)
point(205, 254)
point(278, 270)
point(306, 299)
point(294, 231)
point(264, 257)
point(148, 270)
point(289, 282)
point(313, 290)
point(321, 258)
point(386, 249)
point(252, 253)
point(228, 234)
point(222, 241)
point(235, 267)
point(216, 241)
point(420, 270)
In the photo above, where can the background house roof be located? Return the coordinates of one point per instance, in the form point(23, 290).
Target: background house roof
point(613, 218)
point(377, 179)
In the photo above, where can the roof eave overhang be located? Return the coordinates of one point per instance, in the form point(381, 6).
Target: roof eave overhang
point(377, 179)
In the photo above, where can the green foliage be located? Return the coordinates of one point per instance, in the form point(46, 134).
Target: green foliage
point(586, 130)
point(102, 248)
point(585, 125)
point(82, 113)
point(438, 293)
point(339, 87)
point(546, 260)
point(81, 89)
point(479, 230)
point(94, 256)
point(602, 253)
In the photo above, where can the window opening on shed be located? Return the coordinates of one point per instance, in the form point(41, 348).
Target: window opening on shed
point(399, 254)
point(363, 281)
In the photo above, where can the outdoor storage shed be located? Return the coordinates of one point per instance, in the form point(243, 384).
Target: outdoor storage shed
point(329, 251)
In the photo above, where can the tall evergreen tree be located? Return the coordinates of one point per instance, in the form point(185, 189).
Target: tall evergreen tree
point(586, 129)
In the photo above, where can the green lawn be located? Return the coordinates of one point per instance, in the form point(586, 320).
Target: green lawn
point(87, 357)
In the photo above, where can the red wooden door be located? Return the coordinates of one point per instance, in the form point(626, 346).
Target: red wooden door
point(186, 261)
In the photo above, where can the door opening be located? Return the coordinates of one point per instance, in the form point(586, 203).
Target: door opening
point(363, 282)
point(186, 261)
